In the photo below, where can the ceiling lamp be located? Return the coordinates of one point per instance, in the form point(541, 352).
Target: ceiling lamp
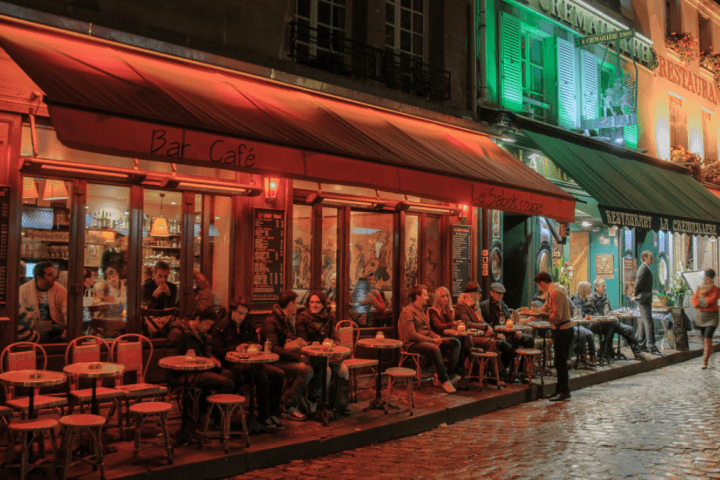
point(330, 200)
point(414, 207)
point(159, 226)
point(193, 184)
point(29, 188)
point(55, 190)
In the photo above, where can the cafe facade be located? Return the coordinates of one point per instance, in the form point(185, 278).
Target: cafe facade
point(590, 104)
point(257, 184)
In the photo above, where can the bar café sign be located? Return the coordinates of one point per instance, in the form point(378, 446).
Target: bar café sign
point(586, 20)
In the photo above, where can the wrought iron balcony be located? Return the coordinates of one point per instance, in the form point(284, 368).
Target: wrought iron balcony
point(328, 50)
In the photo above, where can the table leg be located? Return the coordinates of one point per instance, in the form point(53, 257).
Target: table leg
point(185, 435)
point(94, 407)
point(253, 425)
point(31, 404)
point(377, 403)
point(323, 410)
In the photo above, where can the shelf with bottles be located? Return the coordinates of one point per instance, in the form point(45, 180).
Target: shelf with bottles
point(174, 225)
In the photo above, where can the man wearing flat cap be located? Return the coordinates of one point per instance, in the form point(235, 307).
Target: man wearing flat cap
point(496, 312)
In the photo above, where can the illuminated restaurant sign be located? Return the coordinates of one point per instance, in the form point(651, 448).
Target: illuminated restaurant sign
point(657, 223)
point(681, 76)
point(588, 21)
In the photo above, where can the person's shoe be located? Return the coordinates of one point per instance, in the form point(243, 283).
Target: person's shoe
point(455, 379)
point(294, 414)
point(560, 397)
point(639, 355)
point(311, 406)
point(448, 387)
point(345, 412)
point(268, 426)
point(276, 421)
point(655, 351)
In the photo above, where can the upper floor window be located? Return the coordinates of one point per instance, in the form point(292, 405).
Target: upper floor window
point(673, 18)
point(705, 29)
point(321, 28)
point(405, 27)
point(533, 77)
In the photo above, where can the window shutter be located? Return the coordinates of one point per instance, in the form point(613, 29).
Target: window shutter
point(590, 83)
point(630, 133)
point(510, 63)
point(567, 103)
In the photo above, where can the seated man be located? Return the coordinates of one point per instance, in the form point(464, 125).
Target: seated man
point(600, 305)
point(279, 329)
point(191, 334)
point(229, 335)
point(418, 337)
point(496, 312)
point(584, 339)
point(42, 299)
point(158, 293)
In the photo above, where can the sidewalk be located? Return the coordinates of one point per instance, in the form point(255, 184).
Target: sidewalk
point(302, 440)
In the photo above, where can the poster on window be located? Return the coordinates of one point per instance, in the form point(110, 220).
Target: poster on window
point(268, 248)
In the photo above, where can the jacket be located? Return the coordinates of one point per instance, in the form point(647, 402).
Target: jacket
point(182, 338)
point(57, 301)
point(277, 328)
point(559, 304)
point(710, 295)
point(414, 326)
point(583, 307)
point(598, 303)
point(161, 302)
point(470, 316)
point(643, 285)
point(315, 328)
point(225, 336)
point(441, 320)
point(491, 311)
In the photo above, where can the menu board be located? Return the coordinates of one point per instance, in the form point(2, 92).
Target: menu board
point(629, 272)
point(268, 259)
point(461, 255)
point(4, 225)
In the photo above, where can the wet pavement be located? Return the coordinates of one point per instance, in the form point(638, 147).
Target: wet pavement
point(663, 423)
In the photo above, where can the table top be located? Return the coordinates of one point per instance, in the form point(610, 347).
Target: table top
point(94, 369)
point(514, 328)
point(181, 362)
point(470, 332)
point(539, 325)
point(380, 343)
point(318, 351)
point(32, 378)
point(534, 312)
point(262, 357)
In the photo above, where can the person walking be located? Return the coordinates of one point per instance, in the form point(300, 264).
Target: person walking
point(705, 301)
point(643, 298)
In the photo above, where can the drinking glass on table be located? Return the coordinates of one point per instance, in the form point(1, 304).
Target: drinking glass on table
point(190, 353)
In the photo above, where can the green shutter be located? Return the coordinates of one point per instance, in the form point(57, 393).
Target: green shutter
point(566, 85)
point(590, 83)
point(510, 63)
point(630, 133)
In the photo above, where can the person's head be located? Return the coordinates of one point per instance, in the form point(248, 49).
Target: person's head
point(473, 288)
point(121, 242)
point(288, 302)
point(147, 273)
point(44, 273)
point(88, 277)
point(647, 257)
point(316, 302)
point(442, 299)
point(200, 281)
point(112, 276)
point(333, 280)
point(465, 299)
point(418, 294)
point(599, 286)
point(583, 289)
point(202, 319)
point(239, 308)
point(161, 272)
point(103, 292)
point(710, 276)
point(543, 281)
point(371, 280)
point(497, 291)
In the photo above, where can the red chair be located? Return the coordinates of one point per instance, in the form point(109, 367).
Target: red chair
point(348, 334)
point(24, 356)
point(417, 359)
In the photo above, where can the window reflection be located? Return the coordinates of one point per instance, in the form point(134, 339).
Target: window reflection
point(301, 257)
point(411, 251)
point(329, 253)
point(432, 253)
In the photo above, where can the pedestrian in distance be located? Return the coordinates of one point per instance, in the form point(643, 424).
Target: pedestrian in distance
point(705, 301)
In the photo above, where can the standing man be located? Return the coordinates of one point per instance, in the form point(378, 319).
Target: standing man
point(158, 293)
point(44, 300)
point(643, 298)
point(558, 309)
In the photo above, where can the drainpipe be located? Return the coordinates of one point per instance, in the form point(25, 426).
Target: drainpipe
point(479, 20)
point(472, 59)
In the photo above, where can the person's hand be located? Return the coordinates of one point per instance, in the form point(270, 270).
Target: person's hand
point(161, 289)
point(437, 341)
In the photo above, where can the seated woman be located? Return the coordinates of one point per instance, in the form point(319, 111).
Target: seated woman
point(467, 313)
point(601, 305)
point(103, 293)
point(315, 324)
point(584, 336)
point(117, 287)
point(442, 317)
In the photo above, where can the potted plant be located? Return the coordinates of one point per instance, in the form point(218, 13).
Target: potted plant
point(679, 155)
point(684, 44)
point(711, 61)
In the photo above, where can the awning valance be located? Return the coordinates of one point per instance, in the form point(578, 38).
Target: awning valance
point(116, 99)
point(631, 192)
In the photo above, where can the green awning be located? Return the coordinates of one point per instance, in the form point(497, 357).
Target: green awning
point(635, 193)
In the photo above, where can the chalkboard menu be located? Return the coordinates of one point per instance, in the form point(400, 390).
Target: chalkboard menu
point(4, 225)
point(461, 254)
point(269, 248)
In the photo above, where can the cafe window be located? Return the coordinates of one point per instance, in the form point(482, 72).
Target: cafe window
point(411, 250)
point(328, 277)
point(431, 255)
point(211, 263)
point(301, 275)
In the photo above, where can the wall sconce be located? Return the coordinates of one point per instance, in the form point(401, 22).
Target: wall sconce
point(29, 189)
point(414, 207)
point(330, 200)
point(55, 190)
point(159, 226)
point(271, 188)
point(463, 210)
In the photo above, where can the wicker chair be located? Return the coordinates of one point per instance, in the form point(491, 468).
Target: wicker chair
point(348, 333)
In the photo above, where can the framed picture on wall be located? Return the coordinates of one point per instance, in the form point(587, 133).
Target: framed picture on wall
point(604, 265)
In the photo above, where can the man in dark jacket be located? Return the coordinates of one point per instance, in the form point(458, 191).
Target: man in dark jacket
point(277, 328)
point(191, 334)
point(643, 298)
point(227, 336)
point(158, 293)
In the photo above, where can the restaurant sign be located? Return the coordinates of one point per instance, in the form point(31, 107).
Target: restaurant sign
point(683, 77)
point(612, 217)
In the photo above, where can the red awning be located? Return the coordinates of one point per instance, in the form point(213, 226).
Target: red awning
point(121, 100)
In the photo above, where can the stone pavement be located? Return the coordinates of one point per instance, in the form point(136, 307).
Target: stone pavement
point(659, 424)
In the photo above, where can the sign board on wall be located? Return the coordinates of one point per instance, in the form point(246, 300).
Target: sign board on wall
point(461, 257)
point(268, 259)
point(629, 271)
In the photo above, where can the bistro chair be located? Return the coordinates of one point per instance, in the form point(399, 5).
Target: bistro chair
point(348, 334)
point(531, 360)
point(24, 356)
point(127, 350)
point(89, 349)
point(227, 404)
point(158, 411)
point(82, 423)
point(157, 323)
point(31, 431)
point(396, 374)
point(482, 360)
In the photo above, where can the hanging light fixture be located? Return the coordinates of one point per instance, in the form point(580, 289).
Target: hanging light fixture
point(271, 188)
point(55, 190)
point(159, 226)
point(29, 188)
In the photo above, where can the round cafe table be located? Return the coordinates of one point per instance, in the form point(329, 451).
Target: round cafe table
point(379, 344)
point(186, 365)
point(94, 370)
point(254, 361)
point(32, 379)
point(319, 352)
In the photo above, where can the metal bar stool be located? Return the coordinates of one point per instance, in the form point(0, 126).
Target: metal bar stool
point(81, 423)
point(226, 403)
point(398, 374)
point(530, 357)
point(142, 412)
point(31, 431)
point(481, 359)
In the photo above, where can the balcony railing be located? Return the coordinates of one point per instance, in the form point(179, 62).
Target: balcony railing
point(331, 51)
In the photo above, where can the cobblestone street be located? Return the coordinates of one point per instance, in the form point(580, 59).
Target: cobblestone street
point(660, 424)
